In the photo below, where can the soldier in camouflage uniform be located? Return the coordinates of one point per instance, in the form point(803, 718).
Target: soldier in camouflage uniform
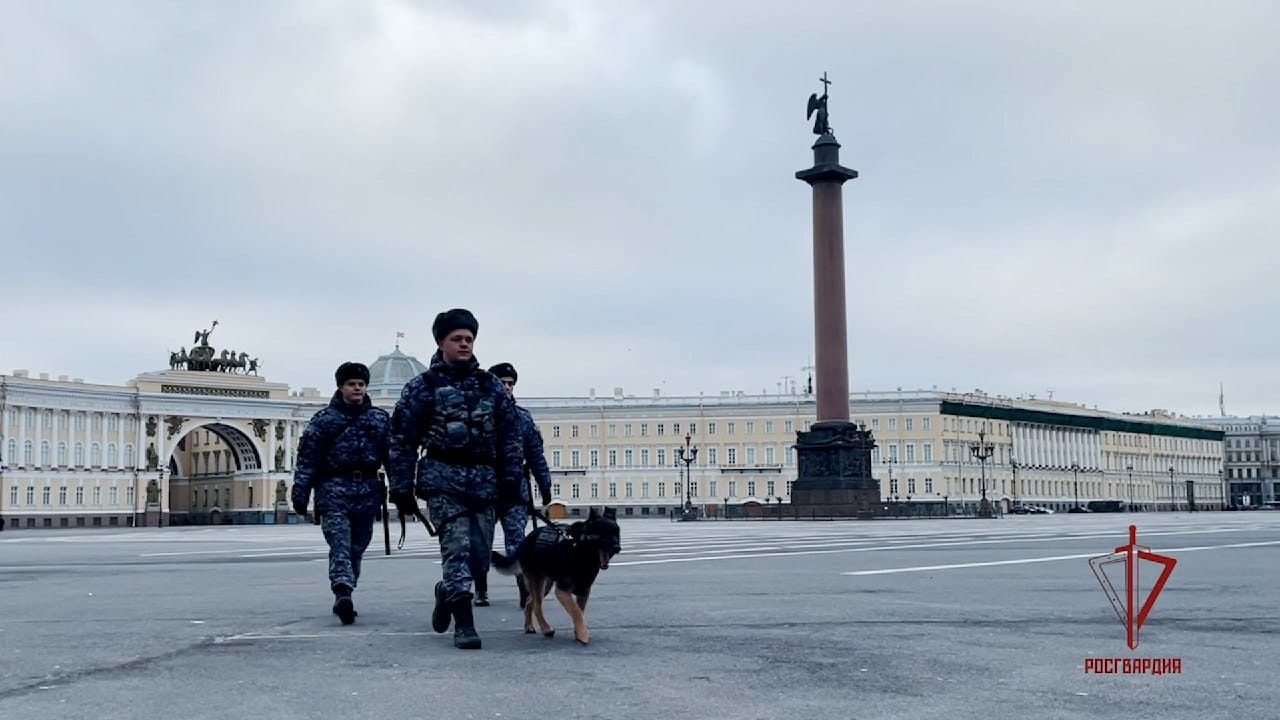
point(467, 424)
point(338, 457)
point(513, 509)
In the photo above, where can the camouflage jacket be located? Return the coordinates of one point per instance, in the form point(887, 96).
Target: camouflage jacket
point(535, 459)
point(340, 439)
point(467, 424)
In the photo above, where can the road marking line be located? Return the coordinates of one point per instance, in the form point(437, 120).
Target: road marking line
point(1051, 558)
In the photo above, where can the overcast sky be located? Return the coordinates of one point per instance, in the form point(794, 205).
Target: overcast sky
point(1079, 196)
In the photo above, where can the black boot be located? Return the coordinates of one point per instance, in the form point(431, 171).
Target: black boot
point(440, 613)
point(482, 591)
point(343, 606)
point(464, 626)
point(524, 591)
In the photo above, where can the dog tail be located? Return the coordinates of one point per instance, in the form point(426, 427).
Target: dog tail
point(503, 564)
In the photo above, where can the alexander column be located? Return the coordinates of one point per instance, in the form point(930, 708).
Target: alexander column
point(834, 455)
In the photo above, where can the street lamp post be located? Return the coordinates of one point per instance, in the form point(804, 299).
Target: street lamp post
point(890, 463)
point(1075, 474)
point(687, 456)
point(1171, 481)
point(1013, 463)
point(1130, 469)
point(982, 452)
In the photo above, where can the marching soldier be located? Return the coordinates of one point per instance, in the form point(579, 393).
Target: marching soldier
point(338, 457)
point(513, 510)
point(467, 424)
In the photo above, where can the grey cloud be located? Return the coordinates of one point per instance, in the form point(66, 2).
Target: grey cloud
point(1079, 196)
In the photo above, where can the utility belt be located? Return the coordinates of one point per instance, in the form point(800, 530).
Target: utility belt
point(461, 458)
point(356, 476)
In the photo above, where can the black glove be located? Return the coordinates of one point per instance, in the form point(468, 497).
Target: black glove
point(406, 504)
point(545, 492)
point(300, 498)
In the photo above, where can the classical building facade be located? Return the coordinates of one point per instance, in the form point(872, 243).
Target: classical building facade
point(1251, 468)
point(201, 443)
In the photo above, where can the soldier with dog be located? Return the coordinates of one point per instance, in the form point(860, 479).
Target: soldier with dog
point(339, 455)
point(460, 415)
point(514, 507)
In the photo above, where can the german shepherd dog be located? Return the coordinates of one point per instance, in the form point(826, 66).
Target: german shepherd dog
point(568, 558)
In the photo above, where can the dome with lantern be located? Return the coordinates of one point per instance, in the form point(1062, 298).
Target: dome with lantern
point(389, 373)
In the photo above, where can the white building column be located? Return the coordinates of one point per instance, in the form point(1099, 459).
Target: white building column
point(119, 441)
point(102, 442)
point(22, 435)
point(4, 434)
point(36, 455)
point(140, 448)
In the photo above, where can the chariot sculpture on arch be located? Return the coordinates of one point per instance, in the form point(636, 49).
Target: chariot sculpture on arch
point(203, 357)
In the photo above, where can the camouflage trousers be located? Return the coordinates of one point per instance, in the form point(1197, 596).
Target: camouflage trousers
point(514, 520)
point(348, 534)
point(466, 538)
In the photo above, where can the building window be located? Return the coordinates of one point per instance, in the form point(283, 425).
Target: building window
point(711, 428)
point(44, 453)
point(46, 495)
point(711, 456)
point(926, 423)
point(751, 456)
point(555, 431)
point(128, 495)
point(97, 495)
point(751, 488)
point(911, 485)
point(751, 427)
point(555, 458)
point(13, 496)
point(112, 456)
point(769, 455)
point(786, 426)
point(613, 489)
point(732, 427)
point(573, 431)
point(613, 430)
point(662, 457)
point(662, 487)
point(693, 428)
point(626, 457)
point(732, 454)
point(928, 485)
point(555, 489)
point(893, 486)
point(28, 453)
point(893, 424)
point(595, 491)
point(576, 491)
point(95, 455)
point(79, 496)
point(626, 430)
point(906, 423)
point(733, 488)
point(770, 488)
point(660, 425)
point(911, 452)
point(713, 489)
point(644, 457)
point(628, 489)
point(693, 489)
point(928, 452)
point(575, 458)
point(644, 490)
point(613, 458)
point(675, 429)
point(31, 495)
point(595, 458)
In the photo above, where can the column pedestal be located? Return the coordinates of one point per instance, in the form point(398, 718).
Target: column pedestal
point(834, 459)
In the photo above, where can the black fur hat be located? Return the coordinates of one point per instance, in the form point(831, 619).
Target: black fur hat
point(450, 320)
point(504, 370)
point(351, 371)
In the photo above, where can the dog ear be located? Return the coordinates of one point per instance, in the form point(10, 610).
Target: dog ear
point(611, 513)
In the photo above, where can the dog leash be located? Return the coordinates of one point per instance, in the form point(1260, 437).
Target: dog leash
point(431, 529)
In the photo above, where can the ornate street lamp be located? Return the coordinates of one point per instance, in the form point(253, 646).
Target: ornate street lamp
point(1075, 474)
point(687, 456)
point(982, 452)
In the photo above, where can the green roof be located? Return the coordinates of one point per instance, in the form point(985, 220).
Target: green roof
point(1092, 422)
